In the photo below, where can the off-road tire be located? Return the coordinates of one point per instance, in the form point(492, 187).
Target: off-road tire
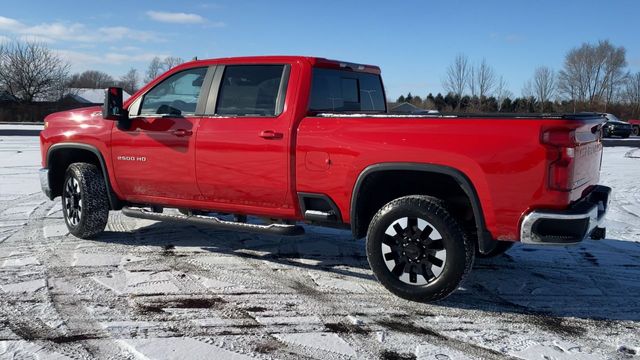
point(460, 250)
point(501, 248)
point(94, 211)
point(636, 130)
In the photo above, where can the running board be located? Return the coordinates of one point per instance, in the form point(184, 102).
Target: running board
point(273, 229)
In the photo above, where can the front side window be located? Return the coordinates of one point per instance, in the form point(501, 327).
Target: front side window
point(348, 91)
point(249, 90)
point(176, 95)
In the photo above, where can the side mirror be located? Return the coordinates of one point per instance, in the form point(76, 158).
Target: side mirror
point(112, 107)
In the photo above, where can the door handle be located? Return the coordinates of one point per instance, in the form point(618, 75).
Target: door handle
point(270, 134)
point(182, 132)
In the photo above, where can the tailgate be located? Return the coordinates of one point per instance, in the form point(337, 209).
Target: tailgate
point(575, 154)
point(587, 156)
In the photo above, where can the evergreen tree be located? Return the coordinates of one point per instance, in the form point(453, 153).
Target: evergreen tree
point(441, 104)
point(507, 105)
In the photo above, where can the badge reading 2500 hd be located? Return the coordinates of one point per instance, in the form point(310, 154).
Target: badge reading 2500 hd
point(132, 158)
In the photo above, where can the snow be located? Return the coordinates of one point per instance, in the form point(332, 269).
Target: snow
point(21, 126)
point(324, 342)
point(168, 291)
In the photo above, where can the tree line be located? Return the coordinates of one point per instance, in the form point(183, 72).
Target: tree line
point(594, 77)
point(30, 72)
point(130, 82)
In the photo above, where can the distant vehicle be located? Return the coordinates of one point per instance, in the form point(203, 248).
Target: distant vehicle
point(616, 127)
point(292, 139)
point(636, 127)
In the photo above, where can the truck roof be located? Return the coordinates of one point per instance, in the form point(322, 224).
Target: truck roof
point(313, 60)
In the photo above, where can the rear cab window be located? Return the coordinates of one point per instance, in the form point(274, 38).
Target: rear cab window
point(252, 90)
point(346, 91)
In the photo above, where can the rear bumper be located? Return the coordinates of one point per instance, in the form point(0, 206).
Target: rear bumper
point(44, 182)
point(569, 226)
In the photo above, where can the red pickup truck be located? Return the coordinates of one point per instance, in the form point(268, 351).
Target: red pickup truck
point(301, 139)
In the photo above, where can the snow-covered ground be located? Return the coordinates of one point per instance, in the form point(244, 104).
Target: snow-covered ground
point(164, 291)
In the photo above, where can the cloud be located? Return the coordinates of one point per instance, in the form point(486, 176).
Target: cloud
point(82, 59)
point(8, 23)
point(72, 32)
point(115, 33)
point(176, 17)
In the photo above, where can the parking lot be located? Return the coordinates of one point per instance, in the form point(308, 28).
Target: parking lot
point(154, 290)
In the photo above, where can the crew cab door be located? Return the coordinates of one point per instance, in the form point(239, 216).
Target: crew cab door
point(242, 155)
point(154, 156)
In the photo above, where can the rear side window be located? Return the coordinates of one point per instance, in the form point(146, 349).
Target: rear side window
point(176, 95)
point(341, 90)
point(250, 90)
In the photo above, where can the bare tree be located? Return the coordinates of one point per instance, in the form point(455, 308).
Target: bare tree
point(486, 79)
point(544, 85)
point(472, 83)
point(31, 71)
point(527, 89)
point(171, 61)
point(615, 75)
point(632, 93)
point(457, 77)
point(91, 79)
point(154, 70)
point(158, 66)
point(129, 81)
point(502, 92)
point(591, 73)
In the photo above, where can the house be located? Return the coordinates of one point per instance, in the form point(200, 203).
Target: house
point(5, 97)
point(88, 96)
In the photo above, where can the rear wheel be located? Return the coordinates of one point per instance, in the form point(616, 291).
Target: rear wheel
point(636, 130)
point(417, 250)
point(85, 205)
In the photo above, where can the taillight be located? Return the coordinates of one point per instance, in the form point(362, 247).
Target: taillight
point(561, 144)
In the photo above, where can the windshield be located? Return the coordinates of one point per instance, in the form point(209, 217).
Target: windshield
point(613, 118)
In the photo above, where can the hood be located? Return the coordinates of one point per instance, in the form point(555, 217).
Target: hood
point(82, 116)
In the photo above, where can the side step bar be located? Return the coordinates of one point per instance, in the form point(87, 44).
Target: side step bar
point(273, 229)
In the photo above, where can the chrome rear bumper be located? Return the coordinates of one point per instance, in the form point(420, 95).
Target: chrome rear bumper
point(570, 226)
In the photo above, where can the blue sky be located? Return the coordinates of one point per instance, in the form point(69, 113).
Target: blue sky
point(413, 43)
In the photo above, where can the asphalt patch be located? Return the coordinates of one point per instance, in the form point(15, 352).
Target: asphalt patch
point(341, 328)
point(157, 306)
point(392, 355)
point(267, 347)
point(256, 309)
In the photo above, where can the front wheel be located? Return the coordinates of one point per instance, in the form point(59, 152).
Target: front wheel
point(417, 250)
point(636, 131)
point(85, 205)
